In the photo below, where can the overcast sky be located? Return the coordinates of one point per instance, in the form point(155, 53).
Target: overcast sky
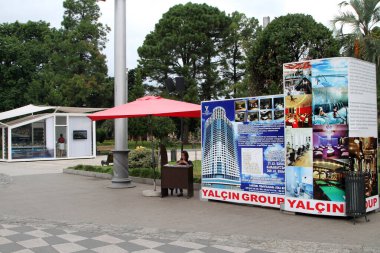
point(142, 15)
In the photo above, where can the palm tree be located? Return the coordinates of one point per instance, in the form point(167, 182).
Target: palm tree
point(363, 39)
point(362, 16)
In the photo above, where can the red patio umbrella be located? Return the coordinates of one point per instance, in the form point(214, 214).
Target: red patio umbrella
point(150, 106)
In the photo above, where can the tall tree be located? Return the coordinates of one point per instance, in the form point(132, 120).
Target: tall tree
point(81, 75)
point(356, 21)
point(187, 41)
point(24, 52)
point(242, 33)
point(286, 39)
point(359, 31)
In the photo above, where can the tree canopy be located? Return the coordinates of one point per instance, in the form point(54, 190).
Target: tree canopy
point(186, 41)
point(65, 66)
point(242, 34)
point(286, 39)
point(357, 26)
point(24, 53)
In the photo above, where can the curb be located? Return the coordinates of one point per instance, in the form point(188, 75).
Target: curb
point(139, 180)
point(87, 173)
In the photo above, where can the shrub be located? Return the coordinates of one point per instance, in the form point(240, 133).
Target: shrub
point(101, 135)
point(100, 169)
point(144, 173)
point(140, 158)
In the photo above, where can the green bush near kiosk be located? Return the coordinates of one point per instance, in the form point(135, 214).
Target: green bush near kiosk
point(138, 172)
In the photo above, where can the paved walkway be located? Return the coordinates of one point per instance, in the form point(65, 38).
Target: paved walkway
point(44, 167)
point(85, 207)
point(37, 237)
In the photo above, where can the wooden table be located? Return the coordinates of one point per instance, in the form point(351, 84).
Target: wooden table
point(177, 176)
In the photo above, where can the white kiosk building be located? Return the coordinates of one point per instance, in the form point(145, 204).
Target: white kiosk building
point(32, 132)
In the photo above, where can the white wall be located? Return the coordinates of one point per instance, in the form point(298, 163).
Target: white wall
point(50, 138)
point(79, 148)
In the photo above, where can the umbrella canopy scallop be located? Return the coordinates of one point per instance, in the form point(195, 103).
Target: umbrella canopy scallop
point(150, 106)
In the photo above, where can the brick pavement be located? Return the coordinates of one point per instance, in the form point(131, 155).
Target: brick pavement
point(79, 205)
point(51, 238)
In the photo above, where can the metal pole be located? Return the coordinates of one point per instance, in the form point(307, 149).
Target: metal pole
point(181, 128)
point(120, 154)
point(181, 135)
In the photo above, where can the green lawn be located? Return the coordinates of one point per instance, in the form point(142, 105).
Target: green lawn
point(139, 172)
point(147, 144)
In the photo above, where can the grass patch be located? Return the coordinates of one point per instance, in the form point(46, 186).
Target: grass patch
point(146, 144)
point(99, 169)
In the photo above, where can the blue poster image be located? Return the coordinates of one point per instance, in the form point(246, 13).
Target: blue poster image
point(299, 182)
point(243, 144)
point(330, 73)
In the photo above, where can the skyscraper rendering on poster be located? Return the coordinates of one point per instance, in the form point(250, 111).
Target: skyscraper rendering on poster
point(243, 147)
point(339, 137)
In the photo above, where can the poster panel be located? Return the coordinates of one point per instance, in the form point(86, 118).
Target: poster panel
point(243, 148)
point(342, 137)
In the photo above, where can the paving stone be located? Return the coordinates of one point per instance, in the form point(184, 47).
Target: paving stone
point(4, 241)
point(33, 243)
point(149, 251)
point(108, 239)
point(38, 233)
point(46, 249)
point(7, 232)
point(54, 231)
point(172, 249)
point(131, 247)
point(257, 251)
point(24, 251)
point(87, 234)
point(23, 229)
point(231, 249)
point(72, 238)
point(10, 248)
point(68, 247)
point(85, 251)
point(191, 245)
point(147, 243)
point(214, 250)
point(110, 249)
point(91, 243)
point(53, 240)
point(19, 237)
point(9, 226)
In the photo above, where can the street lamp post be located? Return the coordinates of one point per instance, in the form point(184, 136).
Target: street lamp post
point(120, 177)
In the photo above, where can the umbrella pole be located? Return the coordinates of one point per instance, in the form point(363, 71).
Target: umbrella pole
point(154, 193)
point(153, 160)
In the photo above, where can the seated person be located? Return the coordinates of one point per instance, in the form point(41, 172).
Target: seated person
point(184, 161)
point(336, 114)
point(321, 112)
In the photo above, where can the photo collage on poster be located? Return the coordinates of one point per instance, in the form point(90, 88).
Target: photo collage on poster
point(261, 146)
point(319, 150)
point(330, 128)
point(266, 109)
point(298, 130)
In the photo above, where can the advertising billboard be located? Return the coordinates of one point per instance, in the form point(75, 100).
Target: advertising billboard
point(295, 149)
point(243, 150)
point(327, 134)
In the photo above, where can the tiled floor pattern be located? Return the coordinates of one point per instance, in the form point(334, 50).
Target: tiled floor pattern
point(30, 239)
